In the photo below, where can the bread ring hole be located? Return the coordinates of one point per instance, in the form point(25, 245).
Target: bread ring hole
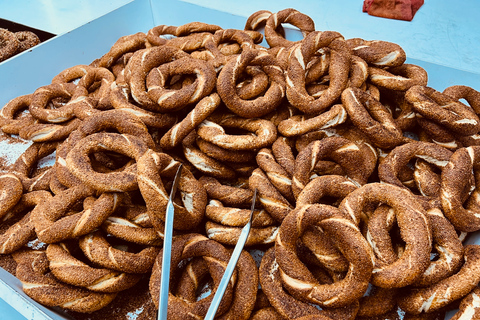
point(107, 161)
point(179, 81)
point(57, 103)
point(123, 245)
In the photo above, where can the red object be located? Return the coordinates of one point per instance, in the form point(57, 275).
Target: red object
point(392, 9)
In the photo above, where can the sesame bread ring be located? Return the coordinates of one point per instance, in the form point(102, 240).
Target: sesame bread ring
point(152, 168)
point(215, 255)
point(329, 185)
point(389, 169)
point(236, 217)
point(282, 149)
point(71, 74)
point(377, 52)
point(11, 118)
point(278, 176)
point(343, 151)
point(79, 164)
point(11, 192)
point(399, 78)
point(469, 306)
point(48, 132)
point(471, 95)
point(193, 27)
point(101, 252)
point(258, 20)
point(269, 196)
point(295, 275)
point(160, 34)
point(287, 305)
point(27, 40)
point(229, 235)
point(440, 294)
point(204, 163)
point(33, 271)
point(370, 116)
point(377, 302)
point(456, 177)
point(301, 124)
point(121, 99)
point(226, 43)
point(411, 219)
point(226, 156)
point(9, 44)
point(232, 72)
point(174, 136)
point(444, 110)
point(229, 195)
point(22, 231)
point(338, 71)
point(68, 269)
point(24, 167)
point(254, 85)
point(290, 16)
point(125, 44)
point(264, 133)
point(169, 100)
point(43, 96)
point(54, 224)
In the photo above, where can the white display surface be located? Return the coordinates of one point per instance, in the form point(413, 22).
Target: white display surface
point(444, 38)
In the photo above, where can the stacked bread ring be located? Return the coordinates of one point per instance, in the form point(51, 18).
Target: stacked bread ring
point(12, 43)
point(367, 178)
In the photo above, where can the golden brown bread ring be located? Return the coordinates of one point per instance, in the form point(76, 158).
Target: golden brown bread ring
point(226, 43)
point(100, 252)
point(326, 186)
point(174, 136)
point(160, 34)
point(236, 217)
point(389, 169)
point(32, 270)
point(229, 157)
point(71, 74)
point(68, 269)
point(54, 224)
point(152, 168)
point(372, 118)
point(290, 16)
point(28, 161)
point(411, 219)
point(278, 176)
point(27, 40)
point(469, 306)
point(343, 151)
point(443, 110)
point(47, 132)
point(269, 196)
point(228, 235)
point(299, 61)
point(285, 304)
point(9, 44)
point(169, 100)
point(377, 302)
point(471, 95)
point(456, 177)
point(11, 119)
point(229, 195)
point(45, 95)
point(298, 279)
point(282, 149)
point(377, 52)
point(193, 27)
point(440, 294)
point(78, 161)
point(301, 124)
point(264, 133)
point(255, 84)
point(185, 247)
point(129, 43)
point(399, 78)
point(233, 70)
point(11, 192)
point(258, 20)
point(17, 235)
point(266, 313)
point(204, 163)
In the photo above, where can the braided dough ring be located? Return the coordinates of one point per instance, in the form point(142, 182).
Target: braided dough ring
point(32, 271)
point(442, 293)
point(9, 122)
point(299, 62)
point(265, 133)
point(372, 118)
point(411, 219)
point(469, 306)
point(9, 44)
point(443, 110)
point(399, 78)
point(291, 16)
point(125, 44)
point(377, 52)
point(232, 71)
point(79, 164)
point(328, 185)
point(46, 94)
point(99, 251)
point(152, 166)
point(216, 256)
point(11, 188)
point(228, 195)
point(456, 177)
point(66, 268)
point(295, 275)
point(53, 224)
point(160, 34)
point(471, 95)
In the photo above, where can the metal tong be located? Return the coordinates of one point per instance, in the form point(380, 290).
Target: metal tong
point(217, 298)
point(167, 250)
